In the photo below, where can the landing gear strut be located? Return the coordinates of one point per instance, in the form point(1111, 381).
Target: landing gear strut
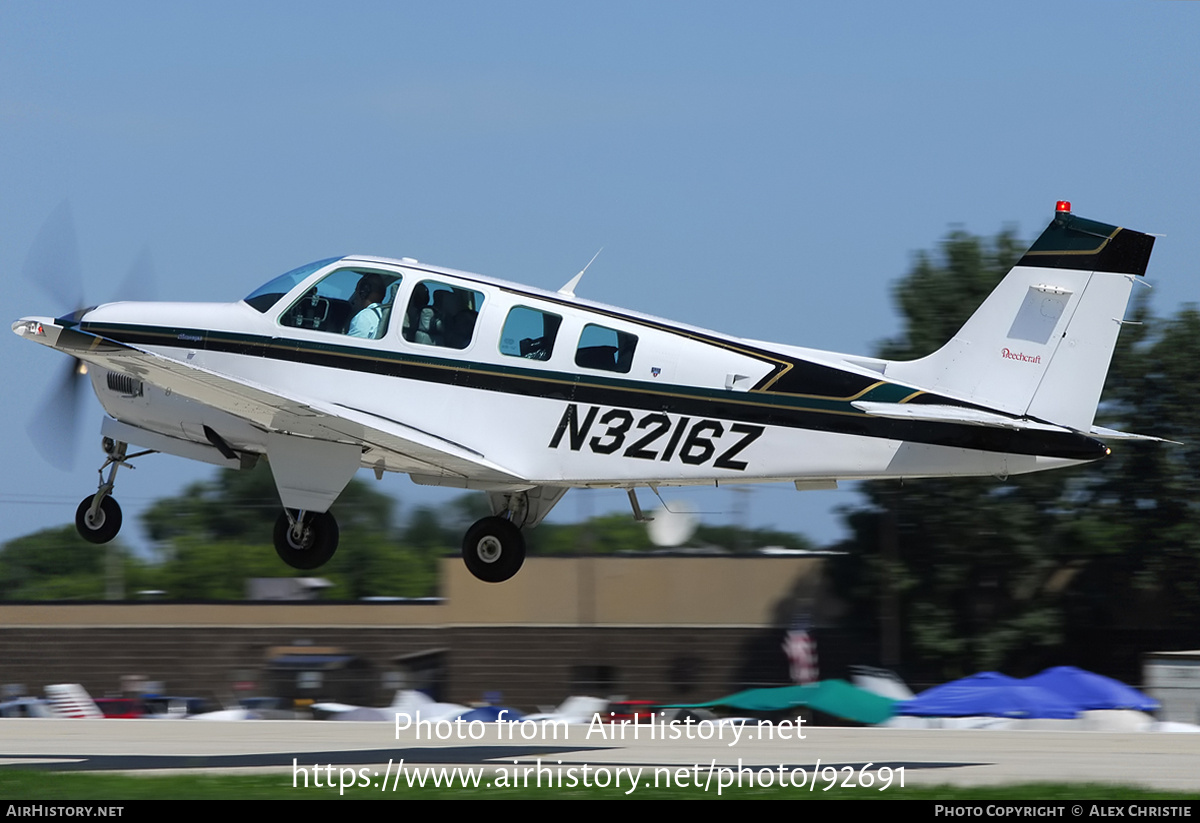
point(98, 518)
point(493, 549)
point(306, 540)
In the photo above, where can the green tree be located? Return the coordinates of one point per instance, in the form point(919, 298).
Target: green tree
point(943, 289)
point(968, 567)
point(612, 533)
point(606, 534)
point(57, 564)
point(233, 505)
point(1142, 504)
point(979, 573)
point(219, 532)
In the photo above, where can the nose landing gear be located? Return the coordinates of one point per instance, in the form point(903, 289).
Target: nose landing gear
point(98, 518)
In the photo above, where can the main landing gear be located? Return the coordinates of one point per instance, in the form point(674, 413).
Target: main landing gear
point(98, 518)
point(306, 540)
point(493, 549)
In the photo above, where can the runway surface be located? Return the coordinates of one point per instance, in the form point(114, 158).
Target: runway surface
point(918, 757)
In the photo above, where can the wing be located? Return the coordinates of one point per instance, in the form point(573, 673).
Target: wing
point(410, 449)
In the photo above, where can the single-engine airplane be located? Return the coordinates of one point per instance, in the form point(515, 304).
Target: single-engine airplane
point(469, 382)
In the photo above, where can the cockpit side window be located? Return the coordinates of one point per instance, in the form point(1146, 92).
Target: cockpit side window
point(439, 314)
point(604, 348)
point(529, 333)
point(354, 302)
point(268, 294)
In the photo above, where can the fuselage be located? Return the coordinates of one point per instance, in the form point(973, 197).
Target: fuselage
point(557, 390)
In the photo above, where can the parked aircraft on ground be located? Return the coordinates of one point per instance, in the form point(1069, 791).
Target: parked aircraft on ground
point(469, 382)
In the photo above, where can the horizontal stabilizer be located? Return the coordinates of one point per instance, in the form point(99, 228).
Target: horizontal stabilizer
point(952, 414)
point(1112, 434)
point(978, 417)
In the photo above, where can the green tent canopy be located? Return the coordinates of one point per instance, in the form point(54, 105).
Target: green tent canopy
point(835, 697)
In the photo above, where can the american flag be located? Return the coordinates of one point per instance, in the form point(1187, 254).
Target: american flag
point(801, 651)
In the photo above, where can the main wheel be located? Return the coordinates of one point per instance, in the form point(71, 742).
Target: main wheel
point(318, 540)
point(493, 549)
point(104, 526)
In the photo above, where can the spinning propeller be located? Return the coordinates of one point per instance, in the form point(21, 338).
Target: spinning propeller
point(53, 264)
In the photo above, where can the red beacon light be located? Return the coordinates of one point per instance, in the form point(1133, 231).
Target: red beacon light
point(1063, 206)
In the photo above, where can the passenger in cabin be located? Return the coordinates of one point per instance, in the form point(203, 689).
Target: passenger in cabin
point(428, 328)
point(412, 317)
point(458, 321)
point(441, 315)
point(367, 303)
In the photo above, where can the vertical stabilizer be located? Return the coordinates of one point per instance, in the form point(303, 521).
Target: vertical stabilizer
point(1041, 344)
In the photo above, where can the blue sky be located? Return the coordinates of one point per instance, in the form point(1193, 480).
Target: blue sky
point(764, 169)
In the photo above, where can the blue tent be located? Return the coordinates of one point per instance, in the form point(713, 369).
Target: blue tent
point(1090, 691)
point(490, 714)
point(988, 694)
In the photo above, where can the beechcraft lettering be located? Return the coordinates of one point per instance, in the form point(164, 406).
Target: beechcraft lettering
point(657, 436)
point(1016, 355)
point(465, 381)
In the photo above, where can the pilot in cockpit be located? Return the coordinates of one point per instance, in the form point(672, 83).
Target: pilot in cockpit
point(367, 304)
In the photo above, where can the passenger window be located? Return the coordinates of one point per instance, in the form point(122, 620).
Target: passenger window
point(529, 333)
point(353, 302)
point(442, 315)
point(607, 349)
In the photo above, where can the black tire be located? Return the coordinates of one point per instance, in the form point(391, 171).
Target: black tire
point(316, 546)
point(106, 525)
point(493, 549)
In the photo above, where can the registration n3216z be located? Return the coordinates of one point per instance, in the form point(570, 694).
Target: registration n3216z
point(655, 436)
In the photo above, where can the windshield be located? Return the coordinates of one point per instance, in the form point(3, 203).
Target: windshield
point(268, 294)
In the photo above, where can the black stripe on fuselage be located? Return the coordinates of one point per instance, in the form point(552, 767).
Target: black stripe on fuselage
point(815, 410)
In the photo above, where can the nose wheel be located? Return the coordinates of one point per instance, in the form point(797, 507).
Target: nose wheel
point(306, 540)
point(98, 518)
point(100, 525)
point(493, 549)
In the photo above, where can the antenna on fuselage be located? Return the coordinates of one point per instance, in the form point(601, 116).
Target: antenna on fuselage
point(569, 289)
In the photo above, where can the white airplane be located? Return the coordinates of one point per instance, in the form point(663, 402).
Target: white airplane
point(466, 381)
